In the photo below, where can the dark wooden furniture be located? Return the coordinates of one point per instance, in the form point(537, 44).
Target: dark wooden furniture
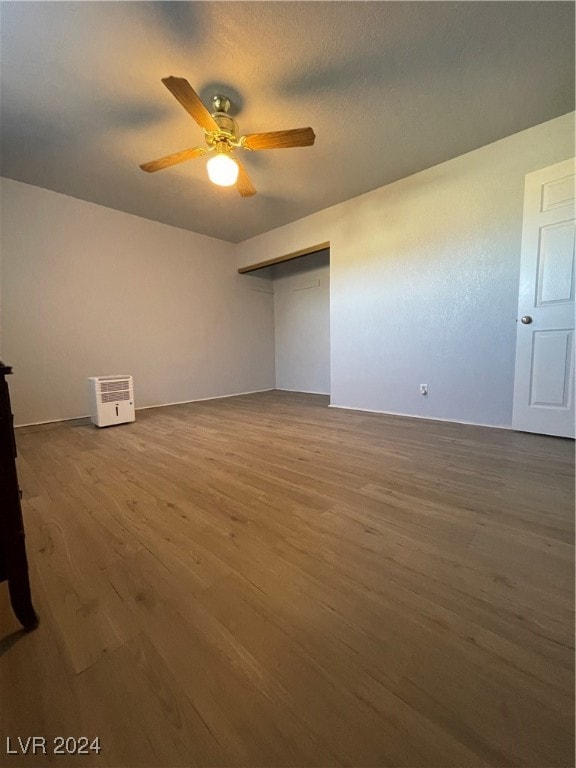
point(13, 562)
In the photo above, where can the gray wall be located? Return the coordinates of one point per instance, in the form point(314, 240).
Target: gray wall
point(88, 291)
point(423, 289)
point(302, 323)
point(424, 281)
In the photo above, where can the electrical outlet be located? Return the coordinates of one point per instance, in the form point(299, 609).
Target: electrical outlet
point(423, 389)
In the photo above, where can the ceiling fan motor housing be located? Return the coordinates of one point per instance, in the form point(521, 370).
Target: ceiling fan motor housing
point(226, 124)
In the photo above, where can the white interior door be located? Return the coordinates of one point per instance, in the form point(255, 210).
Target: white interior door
point(544, 375)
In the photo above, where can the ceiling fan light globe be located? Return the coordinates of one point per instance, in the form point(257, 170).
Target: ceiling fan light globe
point(222, 170)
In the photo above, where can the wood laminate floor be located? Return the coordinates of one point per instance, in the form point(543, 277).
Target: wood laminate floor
point(264, 581)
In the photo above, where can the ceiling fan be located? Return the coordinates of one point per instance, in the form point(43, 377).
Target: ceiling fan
point(221, 137)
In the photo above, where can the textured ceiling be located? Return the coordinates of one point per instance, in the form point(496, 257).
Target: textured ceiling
point(390, 88)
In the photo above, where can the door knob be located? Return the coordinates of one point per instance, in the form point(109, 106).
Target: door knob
point(526, 319)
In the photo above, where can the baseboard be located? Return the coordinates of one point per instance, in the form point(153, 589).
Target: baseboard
point(271, 389)
point(51, 421)
point(146, 407)
point(424, 418)
point(302, 391)
point(204, 399)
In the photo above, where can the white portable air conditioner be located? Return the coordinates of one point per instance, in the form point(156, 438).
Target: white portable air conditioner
point(112, 400)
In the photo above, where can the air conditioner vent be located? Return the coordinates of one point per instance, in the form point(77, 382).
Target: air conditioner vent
point(121, 385)
point(113, 397)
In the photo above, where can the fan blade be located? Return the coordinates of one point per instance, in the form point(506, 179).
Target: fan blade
point(187, 96)
point(244, 185)
point(177, 157)
point(297, 137)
